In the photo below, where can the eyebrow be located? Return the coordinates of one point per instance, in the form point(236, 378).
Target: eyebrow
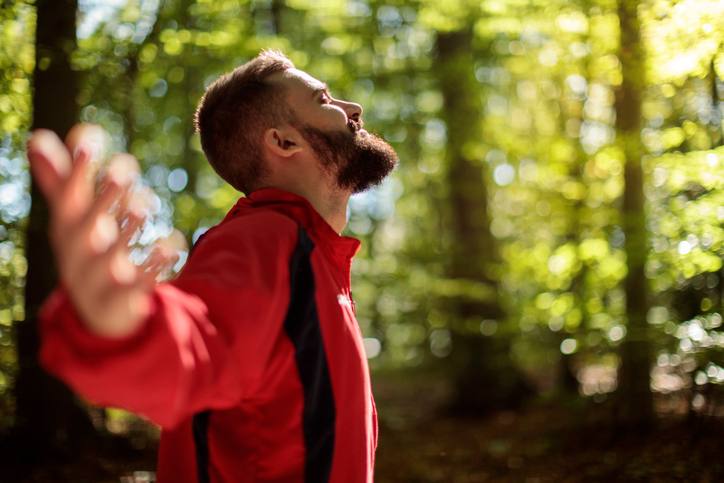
point(324, 88)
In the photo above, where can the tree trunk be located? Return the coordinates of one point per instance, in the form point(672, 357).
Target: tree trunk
point(634, 398)
point(715, 120)
point(48, 416)
point(485, 376)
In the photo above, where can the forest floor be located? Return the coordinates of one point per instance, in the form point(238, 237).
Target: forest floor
point(549, 441)
point(543, 442)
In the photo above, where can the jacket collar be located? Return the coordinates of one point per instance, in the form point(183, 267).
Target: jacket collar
point(342, 248)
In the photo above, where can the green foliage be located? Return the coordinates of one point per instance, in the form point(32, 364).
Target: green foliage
point(17, 22)
point(546, 75)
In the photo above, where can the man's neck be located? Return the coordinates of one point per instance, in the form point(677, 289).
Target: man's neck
point(333, 209)
point(330, 204)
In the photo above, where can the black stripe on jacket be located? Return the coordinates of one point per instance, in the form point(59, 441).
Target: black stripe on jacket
point(200, 428)
point(302, 327)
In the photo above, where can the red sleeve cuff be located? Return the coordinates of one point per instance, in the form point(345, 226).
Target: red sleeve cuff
point(60, 321)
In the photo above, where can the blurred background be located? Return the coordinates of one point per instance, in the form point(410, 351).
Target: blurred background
point(540, 284)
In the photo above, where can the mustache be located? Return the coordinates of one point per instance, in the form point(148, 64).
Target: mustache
point(355, 125)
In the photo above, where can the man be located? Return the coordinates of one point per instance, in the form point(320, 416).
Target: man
point(251, 360)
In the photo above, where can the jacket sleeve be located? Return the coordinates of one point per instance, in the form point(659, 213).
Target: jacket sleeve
point(209, 336)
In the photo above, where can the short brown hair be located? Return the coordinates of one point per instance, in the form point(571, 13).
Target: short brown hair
point(233, 114)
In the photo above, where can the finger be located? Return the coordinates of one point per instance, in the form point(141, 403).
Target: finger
point(162, 258)
point(176, 241)
point(49, 162)
point(45, 175)
point(124, 169)
point(140, 203)
point(130, 224)
point(103, 234)
point(112, 189)
point(122, 270)
point(86, 143)
point(120, 267)
point(78, 189)
point(78, 178)
point(89, 137)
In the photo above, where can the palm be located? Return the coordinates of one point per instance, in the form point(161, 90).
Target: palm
point(90, 229)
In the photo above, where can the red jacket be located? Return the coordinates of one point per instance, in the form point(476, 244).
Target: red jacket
point(252, 360)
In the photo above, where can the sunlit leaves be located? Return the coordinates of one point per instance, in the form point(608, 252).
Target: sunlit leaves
point(545, 74)
point(688, 233)
point(17, 59)
point(687, 35)
point(16, 63)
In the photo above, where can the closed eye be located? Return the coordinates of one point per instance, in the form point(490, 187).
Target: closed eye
point(325, 98)
point(322, 94)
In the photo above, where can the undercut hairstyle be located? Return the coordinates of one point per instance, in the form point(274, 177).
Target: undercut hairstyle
point(233, 115)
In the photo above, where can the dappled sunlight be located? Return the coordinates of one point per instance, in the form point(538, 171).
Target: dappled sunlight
point(550, 245)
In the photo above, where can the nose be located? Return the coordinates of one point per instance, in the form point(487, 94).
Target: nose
point(352, 109)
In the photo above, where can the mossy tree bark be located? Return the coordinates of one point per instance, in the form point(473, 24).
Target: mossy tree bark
point(485, 377)
point(634, 399)
point(48, 416)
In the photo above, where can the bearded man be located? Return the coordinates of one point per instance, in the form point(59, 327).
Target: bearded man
point(251, 360)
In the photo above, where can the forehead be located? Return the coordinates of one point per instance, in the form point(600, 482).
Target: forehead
point(298, 81)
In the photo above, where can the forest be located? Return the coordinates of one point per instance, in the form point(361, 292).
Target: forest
point(540, 282)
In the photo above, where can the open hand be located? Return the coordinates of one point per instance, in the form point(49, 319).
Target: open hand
point(90, 229)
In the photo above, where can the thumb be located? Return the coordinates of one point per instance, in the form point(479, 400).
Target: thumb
point(49, 162)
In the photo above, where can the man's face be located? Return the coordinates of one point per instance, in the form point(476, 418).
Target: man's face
point(333, 128)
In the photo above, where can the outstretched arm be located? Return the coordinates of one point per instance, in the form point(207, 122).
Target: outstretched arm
point(164, 350)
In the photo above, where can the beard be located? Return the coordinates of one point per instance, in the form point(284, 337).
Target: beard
point(358, 159)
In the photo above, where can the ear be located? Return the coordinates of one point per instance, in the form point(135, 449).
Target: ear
point(282, 142)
